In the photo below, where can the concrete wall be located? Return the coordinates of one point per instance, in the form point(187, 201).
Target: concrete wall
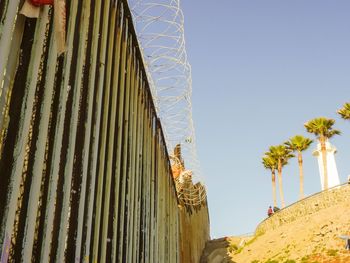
point(306, 207)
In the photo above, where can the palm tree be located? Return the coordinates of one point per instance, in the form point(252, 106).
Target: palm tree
point(345, 111)
point(271, 164)
point(322, 128)
point(298, 144)
point(282, 154)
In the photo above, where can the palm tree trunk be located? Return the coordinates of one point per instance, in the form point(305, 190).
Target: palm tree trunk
point(324, 161)
point(280, 183)
point(274, 188)
point(301, 175)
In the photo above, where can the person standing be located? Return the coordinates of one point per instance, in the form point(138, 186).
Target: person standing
point(269, 211)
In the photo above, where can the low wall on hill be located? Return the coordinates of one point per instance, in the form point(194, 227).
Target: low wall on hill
point(306, 207)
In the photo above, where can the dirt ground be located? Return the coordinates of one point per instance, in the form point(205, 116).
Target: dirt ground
point(312, 239)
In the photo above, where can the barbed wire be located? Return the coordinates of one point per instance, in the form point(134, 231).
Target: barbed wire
point(160, 28)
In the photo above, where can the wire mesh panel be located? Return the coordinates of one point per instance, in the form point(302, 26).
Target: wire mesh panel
point(85, 174)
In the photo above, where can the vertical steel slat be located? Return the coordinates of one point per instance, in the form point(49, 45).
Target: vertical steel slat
point(94, 24)
point(38, 166)
point(24, 125)
point(6, 31)
point(9, 76)
point(126, 159)
point(117, 76)
point(148, 177)
point(120, 148)
point(97, 68)
point(132, 136)
point(143, 174)
point(169, 219)
point(114, 49)
point(99, 243)
point(152, 220)
point(178, 246)
point(3, 8)
point(149, 181)
point(164, 208)
point(170, 222)
point(148, 227)
point(171, 249)
point(150, 199)
point(103, 117)
point(157, 173)
point(145, 179)
point(174, 235)
point(130, 185)
point(159, 208)
point(165, 227)
point(164, 218)
point(139, 168)
point(68, 169)
point(162, 222)
point(136, 135)
point(168, 225)
point(154, 186)
point(160, 215)
point(152, 192)
point(176, 212)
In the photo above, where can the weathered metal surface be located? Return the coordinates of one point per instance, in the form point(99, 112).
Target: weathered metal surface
point(84, 170)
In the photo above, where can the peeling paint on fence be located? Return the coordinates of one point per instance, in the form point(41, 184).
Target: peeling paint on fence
point(84, 170)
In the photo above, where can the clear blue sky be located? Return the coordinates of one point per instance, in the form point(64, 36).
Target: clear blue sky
point(260, 70)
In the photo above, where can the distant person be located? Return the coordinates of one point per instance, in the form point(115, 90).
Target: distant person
point(269, 211)
point(275, 209)
point(349, 179)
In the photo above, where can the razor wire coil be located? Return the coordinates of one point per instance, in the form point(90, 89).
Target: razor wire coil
point(160, 28)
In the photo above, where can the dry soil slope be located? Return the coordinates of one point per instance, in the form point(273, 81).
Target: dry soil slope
point(314, 238)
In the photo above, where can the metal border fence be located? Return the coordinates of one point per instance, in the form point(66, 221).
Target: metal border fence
point(84, 170)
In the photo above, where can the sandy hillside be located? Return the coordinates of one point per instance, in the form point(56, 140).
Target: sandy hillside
point(308, 240)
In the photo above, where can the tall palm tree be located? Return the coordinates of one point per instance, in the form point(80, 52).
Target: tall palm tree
point(271, 164)
point(345, 111)
point(298, 144)
point(323, 129)
point(282, 154)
